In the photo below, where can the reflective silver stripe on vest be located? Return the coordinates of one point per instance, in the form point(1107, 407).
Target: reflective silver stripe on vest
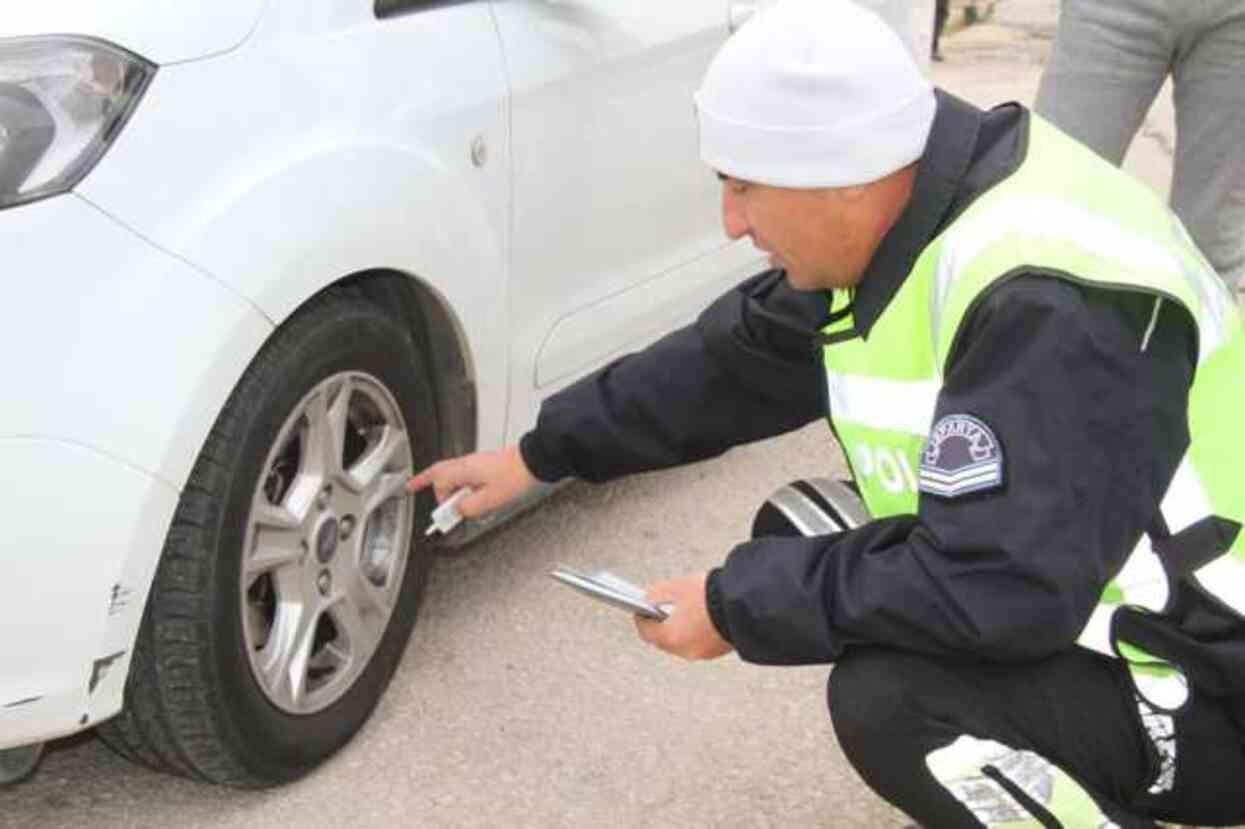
point(901, 406)
point(1055, 220)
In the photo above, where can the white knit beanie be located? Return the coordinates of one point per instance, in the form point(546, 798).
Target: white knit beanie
point(813, 93)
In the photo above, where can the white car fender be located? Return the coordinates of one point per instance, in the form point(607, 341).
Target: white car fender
point(277, 245)
point(279, 196)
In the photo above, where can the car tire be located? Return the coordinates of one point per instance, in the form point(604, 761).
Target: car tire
point(17, 764)
point(227, 684)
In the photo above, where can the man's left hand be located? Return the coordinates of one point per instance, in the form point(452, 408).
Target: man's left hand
point(688, 631)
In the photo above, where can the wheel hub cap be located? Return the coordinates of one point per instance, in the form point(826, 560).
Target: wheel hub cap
point(333, 485)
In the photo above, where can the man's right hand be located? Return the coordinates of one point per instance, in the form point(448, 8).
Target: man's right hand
point(496, 479)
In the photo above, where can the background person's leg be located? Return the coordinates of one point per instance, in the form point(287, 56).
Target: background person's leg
point(1109, 60)
point(1208, 178)
point(942, 10)
point(963, 744)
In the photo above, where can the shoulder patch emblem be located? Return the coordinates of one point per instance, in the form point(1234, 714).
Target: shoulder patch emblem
point(961, 456)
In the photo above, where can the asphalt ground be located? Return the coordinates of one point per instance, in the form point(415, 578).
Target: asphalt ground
point(520, 704)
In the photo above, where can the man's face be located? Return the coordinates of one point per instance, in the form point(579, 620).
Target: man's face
point(823, 238)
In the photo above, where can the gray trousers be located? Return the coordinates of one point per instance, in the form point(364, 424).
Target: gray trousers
point(1111, 57)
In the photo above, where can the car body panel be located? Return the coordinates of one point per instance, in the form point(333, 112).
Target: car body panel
point(611, 200)
point(79, 591)
point(366, 164)
point(586, 337)
point(135, 359)
point(914, 21)
point(162, 33)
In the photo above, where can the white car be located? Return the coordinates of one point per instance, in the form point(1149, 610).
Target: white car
point(262, 259)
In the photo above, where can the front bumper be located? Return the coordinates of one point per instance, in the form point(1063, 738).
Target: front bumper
point(82, 535)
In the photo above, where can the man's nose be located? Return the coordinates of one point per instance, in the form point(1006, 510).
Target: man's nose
point(733, 220)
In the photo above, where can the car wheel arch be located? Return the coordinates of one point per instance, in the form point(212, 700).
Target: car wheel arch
point(442, 341)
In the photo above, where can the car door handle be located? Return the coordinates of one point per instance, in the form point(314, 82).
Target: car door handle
point(739, 14)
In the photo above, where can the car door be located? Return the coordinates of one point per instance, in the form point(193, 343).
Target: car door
point(913, 21)
point(616, 235)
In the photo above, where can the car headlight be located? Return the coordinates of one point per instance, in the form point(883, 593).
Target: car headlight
point(63, 101)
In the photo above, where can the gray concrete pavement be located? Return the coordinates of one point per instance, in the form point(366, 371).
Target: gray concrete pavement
point(521, 704)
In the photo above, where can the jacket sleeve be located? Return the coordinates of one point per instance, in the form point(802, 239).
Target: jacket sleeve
point(732, 377)
point(1091, 428)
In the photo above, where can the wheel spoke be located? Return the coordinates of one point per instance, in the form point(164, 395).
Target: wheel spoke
point(390, 485)
point(296, 505)
point(266, 514)
point(278, 540)
point(283, 662)
point(326, 433)
point(274, 550)
point(300, 501)
point(340, 655)
point(392, 453)
point(362, 623)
